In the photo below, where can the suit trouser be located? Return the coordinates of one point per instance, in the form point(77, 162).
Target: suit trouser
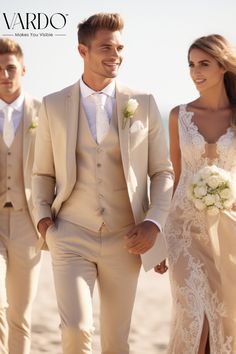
point(19, 273)
point(80, 257)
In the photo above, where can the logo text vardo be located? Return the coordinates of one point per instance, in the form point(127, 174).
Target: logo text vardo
point(37, 21)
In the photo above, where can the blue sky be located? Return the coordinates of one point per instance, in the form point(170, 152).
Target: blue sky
point(157, 35)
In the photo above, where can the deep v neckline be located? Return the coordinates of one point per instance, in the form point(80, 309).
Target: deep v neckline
point(196, 128)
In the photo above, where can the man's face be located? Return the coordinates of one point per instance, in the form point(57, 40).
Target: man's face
point(102, 57)
point(11, 71)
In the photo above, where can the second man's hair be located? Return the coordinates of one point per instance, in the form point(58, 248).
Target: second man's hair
point(9, 46)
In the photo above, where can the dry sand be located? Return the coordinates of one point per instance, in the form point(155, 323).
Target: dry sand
point(150, 324)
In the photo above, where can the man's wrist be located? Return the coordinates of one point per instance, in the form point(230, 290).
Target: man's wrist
point(159, 229)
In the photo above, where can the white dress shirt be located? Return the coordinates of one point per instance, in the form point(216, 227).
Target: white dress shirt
point(89, 105)
point(17, 107)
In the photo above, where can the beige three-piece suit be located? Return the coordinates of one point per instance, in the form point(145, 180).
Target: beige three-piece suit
point(96, 193)
point(19, 263)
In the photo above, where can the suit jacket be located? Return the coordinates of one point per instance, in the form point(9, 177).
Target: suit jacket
point(143, 150)
point(30, 112)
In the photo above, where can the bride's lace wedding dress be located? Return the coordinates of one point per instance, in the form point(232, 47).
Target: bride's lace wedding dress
point(201, 250)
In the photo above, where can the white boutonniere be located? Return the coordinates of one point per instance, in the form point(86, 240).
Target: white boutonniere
point(129, 110)
point(33, 125)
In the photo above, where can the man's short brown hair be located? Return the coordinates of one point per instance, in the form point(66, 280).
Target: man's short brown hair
point(101, 21)
point(9, 46)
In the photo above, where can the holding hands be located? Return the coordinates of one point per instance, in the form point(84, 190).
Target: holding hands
point(141, 237)
point(43, 225)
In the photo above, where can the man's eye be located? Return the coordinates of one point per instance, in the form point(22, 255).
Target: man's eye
point(11, 68)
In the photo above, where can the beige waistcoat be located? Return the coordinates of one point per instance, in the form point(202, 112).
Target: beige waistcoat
point(100, 193)
point(11, 171)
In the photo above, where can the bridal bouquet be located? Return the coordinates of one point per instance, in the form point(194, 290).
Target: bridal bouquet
point(212, 189)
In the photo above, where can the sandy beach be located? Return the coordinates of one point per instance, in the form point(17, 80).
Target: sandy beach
point(150, 323)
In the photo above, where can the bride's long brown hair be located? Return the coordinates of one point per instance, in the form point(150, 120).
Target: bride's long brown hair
point(222, 51)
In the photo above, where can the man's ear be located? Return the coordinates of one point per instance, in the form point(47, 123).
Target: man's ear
point(83, 49)
point(23, 70)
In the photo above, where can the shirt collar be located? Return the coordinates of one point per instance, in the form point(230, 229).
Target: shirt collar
point(17, 105)
point(86, 91)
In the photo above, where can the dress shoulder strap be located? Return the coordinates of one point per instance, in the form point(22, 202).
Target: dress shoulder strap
point(185, 117)
point(182, 112)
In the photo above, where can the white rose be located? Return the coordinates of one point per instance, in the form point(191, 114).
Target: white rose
point(196, 179)
point(199, 204)
point(206, 171)
point(209, 199)
point(129, 110)
point(224, 174)
point(228, 204)
point(132, 105)
point(219, 205)
point(200, 191)
point(214, 181)
point(226, 193)
point(214, 169)
point(212, 210)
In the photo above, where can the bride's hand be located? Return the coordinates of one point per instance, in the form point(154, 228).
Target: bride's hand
point(234, 207)
point(161, 268)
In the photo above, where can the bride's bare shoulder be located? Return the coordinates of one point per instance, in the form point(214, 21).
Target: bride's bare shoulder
point(174, 113)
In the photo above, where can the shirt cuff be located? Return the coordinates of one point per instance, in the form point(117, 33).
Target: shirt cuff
point(156, 223)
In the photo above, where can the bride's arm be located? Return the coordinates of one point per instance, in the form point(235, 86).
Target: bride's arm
point(175, 153)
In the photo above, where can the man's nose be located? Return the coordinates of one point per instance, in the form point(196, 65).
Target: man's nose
point(115, 53)
point(4, 73)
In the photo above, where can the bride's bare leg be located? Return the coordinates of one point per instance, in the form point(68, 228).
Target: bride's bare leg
point(204, 337)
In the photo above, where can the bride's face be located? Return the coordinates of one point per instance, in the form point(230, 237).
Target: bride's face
point(205, 70)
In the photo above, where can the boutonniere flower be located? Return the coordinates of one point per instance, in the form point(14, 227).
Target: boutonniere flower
point(33, 125)
point(129, 110)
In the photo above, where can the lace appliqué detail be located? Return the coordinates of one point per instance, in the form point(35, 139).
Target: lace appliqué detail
point(193, 274)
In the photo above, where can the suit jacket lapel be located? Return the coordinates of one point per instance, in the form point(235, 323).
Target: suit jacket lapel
point(72, 116)
point(27, 134)
point(121, 100)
